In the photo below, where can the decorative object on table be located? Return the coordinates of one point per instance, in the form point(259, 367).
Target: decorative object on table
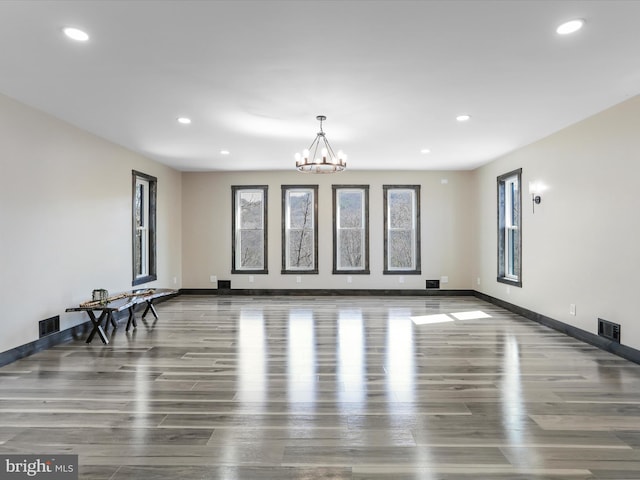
point(100, 295)
point(327, 161)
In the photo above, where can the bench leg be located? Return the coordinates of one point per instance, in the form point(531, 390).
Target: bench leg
point(132, 319)
point(97, 326)
point(150, 307)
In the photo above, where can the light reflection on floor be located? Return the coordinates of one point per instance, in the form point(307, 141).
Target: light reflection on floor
point(351, 368)
point(252, 368)
point(399, 362)
point(301, 357)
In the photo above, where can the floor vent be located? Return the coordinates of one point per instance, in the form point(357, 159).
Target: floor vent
point(609, 330)
point(433, 284)
point(49, 326)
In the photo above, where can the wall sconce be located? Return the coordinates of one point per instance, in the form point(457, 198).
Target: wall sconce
point(535, 189)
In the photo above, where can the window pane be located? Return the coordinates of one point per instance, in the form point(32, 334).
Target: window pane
point(400, 209)
point(350, 206)
point(137, 234)
point(514, 207)
point(301, 249)
point(250, 210)
point(351, 244)
point(512, 253)
point(401, 249)
point(300, 209)
point(251, 249)
point(515, 262)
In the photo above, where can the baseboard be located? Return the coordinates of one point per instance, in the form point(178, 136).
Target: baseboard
point(44, 343)
point(602, 343)
point(320, 292)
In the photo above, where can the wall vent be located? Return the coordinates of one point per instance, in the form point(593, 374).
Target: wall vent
point(49, 326)
point(609, 330)
point(433, 284)
point(224, 284)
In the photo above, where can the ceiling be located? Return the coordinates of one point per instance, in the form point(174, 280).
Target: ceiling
point(391, 76)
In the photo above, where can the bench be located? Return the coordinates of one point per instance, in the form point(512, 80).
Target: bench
point(119, 303)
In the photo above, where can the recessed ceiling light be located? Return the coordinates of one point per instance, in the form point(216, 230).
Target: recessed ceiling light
point(425, 151)
point(570, 27)
point(224, 152)
point(184, 120)
point(463, 118)
point(76, 34)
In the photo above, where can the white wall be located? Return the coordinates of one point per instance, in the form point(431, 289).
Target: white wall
point(446, 211)
point(582, 244)
point(65, 220)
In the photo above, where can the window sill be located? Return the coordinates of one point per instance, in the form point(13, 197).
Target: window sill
point(508, 281)
point(141, 280)
point(402, 272)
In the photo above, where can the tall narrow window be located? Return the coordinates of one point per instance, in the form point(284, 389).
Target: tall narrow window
point(402, 229)
point(249, 229)
point(144, 228)
point(509, 228)
point(299, 229)
point(351, 229)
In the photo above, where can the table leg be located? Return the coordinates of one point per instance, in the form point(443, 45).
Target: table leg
point(97, 326)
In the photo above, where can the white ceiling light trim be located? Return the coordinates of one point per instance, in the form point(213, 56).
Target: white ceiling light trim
point(76, 34)
point(184, 120)
point(569, 27)
point(463, 118)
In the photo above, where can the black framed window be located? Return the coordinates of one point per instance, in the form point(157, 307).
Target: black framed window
point(401, 229)
point(249, 229)
point(351, 229)
point(299, 229)
point(510, 228)
point(144, 202)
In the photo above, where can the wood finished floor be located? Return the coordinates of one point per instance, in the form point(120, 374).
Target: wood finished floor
point(332, 387)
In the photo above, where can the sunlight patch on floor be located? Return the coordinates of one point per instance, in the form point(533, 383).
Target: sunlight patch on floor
point(444, 318)
point(471, 315)
point(431, 319)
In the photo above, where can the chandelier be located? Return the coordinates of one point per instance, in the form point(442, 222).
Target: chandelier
point(320, 157)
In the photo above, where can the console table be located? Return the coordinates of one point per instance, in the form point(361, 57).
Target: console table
point(118, 303)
